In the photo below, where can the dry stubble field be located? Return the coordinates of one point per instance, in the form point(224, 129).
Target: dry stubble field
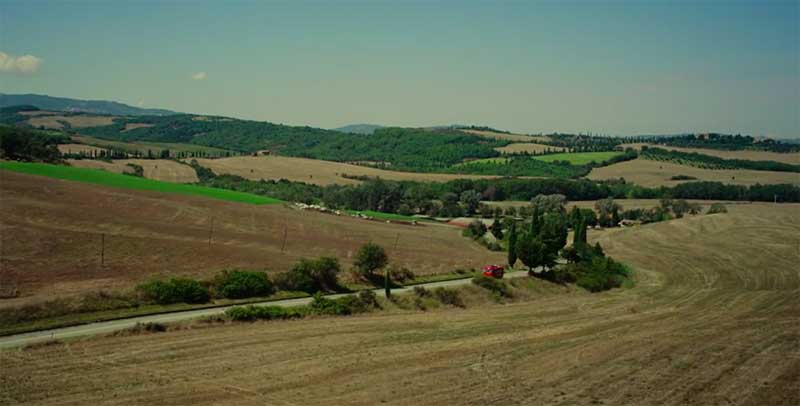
point(713, 320)
point(750, 155)
point(314, 171)
point(78, 121)
point(50, 235)
point(650, 173)
point(159, 169)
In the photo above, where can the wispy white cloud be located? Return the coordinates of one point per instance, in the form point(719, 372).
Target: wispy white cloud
point(19, 64)
point(199, 76)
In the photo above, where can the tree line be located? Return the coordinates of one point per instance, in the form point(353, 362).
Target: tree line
point(713, 162)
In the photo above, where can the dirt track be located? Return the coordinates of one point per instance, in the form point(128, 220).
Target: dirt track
point(713, 320)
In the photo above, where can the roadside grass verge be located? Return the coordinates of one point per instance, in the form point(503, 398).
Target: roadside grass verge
point(99, 307)
point(8, 326)
point(105, 178)
point(579, 158)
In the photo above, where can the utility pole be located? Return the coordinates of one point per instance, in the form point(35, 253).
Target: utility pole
point(386, 287)
point(210, 232)
point(283, 244)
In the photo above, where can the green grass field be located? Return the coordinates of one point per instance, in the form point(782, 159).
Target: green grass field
point(105, 178)
point(579, 158)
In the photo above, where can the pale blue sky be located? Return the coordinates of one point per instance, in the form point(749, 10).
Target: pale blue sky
point(622, 67)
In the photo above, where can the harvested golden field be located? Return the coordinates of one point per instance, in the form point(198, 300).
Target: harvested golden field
point(528, 147)
point(508, 137)
point(789, 158)
point(33, 113)
point(133, 126)
point(50, 234)
point(159, 169)
point(713, 319)
point(78, 149)
point(79, 121)
point(314, 171)
point(649, 173)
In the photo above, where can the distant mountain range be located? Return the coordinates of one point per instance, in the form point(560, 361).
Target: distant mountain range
point(358, 128)
point(79, 106)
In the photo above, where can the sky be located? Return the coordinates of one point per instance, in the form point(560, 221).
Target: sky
point(607, 67)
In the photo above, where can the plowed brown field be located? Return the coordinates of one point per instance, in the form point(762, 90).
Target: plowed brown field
point(50, 235)
point(713, 320)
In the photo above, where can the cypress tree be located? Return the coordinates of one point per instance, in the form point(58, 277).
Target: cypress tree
point(536, 222)
point(512, 244)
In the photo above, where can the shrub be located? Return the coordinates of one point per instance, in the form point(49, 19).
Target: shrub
point(241, 284)
point(137, 170)
point(251, 313)
point(420, 291)
point(401, 274)
point(717, 208)
point(370, 258)
point(448, 296)
point(368, 298)
point(602, 273)
point(311, 275)
point(174, 290)
point(148, 327)
point(324, 306)
point(496, 286)
point(476, 229)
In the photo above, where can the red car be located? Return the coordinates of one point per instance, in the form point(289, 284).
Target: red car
point(494, 271)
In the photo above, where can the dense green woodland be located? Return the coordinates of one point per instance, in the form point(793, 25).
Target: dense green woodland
point(713, 162)
point(400, 148)
point(30, 145)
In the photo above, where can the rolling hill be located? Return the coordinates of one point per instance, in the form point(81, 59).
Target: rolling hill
point(104, 107)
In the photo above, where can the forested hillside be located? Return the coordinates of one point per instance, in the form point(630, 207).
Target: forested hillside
point(728, 142)
point(398, 148)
